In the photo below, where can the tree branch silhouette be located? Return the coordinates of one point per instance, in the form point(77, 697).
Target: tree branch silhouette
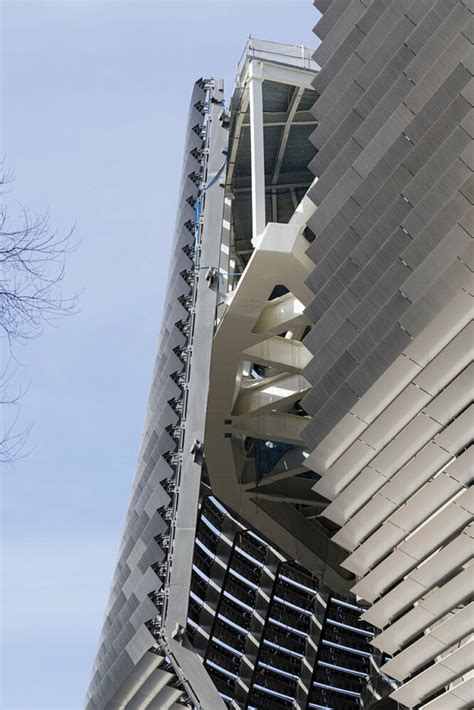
point(32, 268)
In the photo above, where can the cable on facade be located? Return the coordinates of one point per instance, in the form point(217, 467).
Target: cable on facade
point(197, 205)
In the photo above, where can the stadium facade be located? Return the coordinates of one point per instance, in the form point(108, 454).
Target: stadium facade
point(300, 529)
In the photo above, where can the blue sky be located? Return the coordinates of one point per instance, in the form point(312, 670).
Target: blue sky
point(94, 103)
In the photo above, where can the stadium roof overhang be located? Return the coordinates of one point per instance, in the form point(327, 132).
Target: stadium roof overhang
point(271, 123)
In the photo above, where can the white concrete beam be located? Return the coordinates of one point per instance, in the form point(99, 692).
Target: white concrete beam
point(288, 75)
point(280, 315)
point(281, 353)
point(255, 80)
point(270, 393)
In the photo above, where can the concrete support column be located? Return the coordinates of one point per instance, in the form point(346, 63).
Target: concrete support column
point(257, 148)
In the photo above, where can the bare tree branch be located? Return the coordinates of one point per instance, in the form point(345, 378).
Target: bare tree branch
point(32, 268)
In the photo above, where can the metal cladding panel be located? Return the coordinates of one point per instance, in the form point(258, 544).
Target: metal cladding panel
point(327, 126)
point(392, 165)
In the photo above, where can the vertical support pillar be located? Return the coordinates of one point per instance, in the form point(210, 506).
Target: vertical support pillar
point(313, 644)
point(224, 260)
point(257, 148)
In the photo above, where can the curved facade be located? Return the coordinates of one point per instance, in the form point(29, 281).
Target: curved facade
point(392, 338)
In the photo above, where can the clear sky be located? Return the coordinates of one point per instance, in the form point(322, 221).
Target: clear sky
point(94, 103)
